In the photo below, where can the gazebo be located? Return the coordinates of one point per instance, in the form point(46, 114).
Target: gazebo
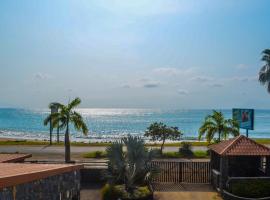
point(238, 158)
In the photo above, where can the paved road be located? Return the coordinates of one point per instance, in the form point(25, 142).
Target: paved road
point(60, 149)
point(57, 152)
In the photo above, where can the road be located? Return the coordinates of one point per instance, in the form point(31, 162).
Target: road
point(57, 152)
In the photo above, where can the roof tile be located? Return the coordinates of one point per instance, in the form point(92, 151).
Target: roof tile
point(240, 146)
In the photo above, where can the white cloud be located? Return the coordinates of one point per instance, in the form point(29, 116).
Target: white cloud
point(244, 78)
point(151, 84)
point(182, 92)
point(41, 76)
point(126, 86)
point(217, 85)
point(201, 79)
point(171, 71)
point(241, 66)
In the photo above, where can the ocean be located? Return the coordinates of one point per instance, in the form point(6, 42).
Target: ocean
point(111, 124)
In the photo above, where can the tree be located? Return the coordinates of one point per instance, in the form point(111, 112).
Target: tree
point(161, 132)
point(64, 118)
point(54, 108)
point(217, 124)
point(264, 74)
point(131, 167)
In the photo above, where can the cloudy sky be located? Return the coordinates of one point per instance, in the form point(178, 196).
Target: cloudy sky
point(139, 54)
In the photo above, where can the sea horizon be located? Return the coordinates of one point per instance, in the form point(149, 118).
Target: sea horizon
point(109, 124)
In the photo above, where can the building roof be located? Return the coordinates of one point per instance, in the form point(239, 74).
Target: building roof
point(17, 173)
point(14, 157)
point(240, 146)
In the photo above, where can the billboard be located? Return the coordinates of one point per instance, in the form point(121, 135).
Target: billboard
point(245, 118)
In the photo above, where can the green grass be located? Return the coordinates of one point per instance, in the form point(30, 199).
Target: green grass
point(104, 144)
point(200, 154)
point(196, 154)
point(95, 154)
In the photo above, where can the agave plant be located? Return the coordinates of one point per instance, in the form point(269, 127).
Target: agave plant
point(131, 167)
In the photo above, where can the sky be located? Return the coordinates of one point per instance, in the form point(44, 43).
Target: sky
point(133, 54)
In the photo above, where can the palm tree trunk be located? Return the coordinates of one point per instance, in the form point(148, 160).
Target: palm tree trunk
point(58, 133)
point(162, 145)
point(67, 144)
point(219, 136)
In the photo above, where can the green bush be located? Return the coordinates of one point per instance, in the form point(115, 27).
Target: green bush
point(172, 155)
point(251, 188)
point(185, 149)
point(116, 192)
point(95, 154)
point(200, 154)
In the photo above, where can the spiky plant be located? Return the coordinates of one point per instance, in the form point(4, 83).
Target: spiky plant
point(217, 124)
point(131, 167)
point(66, 116)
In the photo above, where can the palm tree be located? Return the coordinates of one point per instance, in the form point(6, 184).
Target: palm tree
point(264, 74)
point(217, 124)
point(54, 108)
point(64, 118)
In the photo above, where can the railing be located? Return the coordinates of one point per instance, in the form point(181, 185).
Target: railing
point(170, 171)
point(183, 172)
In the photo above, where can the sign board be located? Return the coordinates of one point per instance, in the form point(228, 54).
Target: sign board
point(245, 118)
point(54, 109)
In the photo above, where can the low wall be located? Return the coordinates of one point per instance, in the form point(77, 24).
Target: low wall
point(93, 175)
point(229, 196)
point(64, 186)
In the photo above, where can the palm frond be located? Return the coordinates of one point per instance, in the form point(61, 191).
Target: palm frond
point(78, 122)
point(74, 103)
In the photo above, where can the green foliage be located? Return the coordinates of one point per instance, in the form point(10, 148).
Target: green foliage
point(185, 149)
point(200, 154)
point(110, 192)
point(172, 154)
point(264, 73)
point(251, 188)
point(131, 167)
point(161, 132)
point(195, 154)
point(63, 118)
point(95, 154)
point(217, 124)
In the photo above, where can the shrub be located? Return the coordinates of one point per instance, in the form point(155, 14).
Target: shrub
point(116, 192)
point(251, 188)
point(157, 153)
point(200, 154)
point(172, 155)
point(95, 154)
point(185, 149)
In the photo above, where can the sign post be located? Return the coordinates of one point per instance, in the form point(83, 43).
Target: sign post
point(245, 118)
point(54, 109)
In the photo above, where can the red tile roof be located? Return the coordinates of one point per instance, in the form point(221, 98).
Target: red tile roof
point(14, 157)
point(17, 173)
point(240, 146)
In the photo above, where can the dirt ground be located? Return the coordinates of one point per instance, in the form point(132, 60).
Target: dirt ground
point(166, 192)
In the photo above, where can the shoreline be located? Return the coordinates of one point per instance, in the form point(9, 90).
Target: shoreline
point(23, 141)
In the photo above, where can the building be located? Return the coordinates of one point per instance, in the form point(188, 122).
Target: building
point(239, 158)
point(20, 181)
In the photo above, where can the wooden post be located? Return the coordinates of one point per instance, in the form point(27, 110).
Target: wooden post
point(267, 171)
point(224, 172)
point(58, 133)
point(51, 130)
point(54, 109)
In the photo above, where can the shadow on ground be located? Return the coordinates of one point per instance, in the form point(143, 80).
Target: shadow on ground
point(91, 192)
point(169, 191)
